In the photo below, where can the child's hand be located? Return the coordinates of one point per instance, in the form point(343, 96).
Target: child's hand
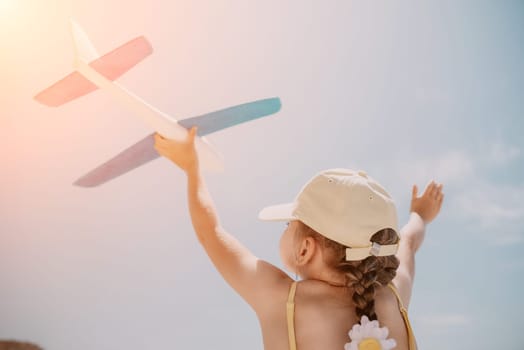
point(427, 206)
point(182, 153)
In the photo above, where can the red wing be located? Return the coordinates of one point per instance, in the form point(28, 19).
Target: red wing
point(112, 65)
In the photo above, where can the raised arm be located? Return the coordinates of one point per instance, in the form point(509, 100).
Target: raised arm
point(422, 211)
point(249, 276)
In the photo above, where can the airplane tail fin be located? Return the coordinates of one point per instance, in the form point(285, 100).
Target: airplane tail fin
point(111, 65)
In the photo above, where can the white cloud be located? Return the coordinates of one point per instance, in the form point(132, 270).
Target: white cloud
point(496, 210)
point(501, 154)
point(492, 204)
point(456, 166)
point(451, 167)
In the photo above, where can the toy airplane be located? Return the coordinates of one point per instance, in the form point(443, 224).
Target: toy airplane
point(94, 71)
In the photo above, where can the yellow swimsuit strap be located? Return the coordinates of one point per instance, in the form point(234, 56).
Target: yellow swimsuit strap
point(290, 311)
point(404, 312)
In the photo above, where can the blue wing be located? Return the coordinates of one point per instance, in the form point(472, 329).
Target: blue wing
point(143, 151)
point(225, 118)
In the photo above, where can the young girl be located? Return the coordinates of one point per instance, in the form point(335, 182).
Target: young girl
point(341, 239)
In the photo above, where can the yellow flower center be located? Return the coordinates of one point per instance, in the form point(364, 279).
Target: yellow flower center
point(369, 344)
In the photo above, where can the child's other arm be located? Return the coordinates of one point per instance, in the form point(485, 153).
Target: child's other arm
point(423, 210)
point(249, 276)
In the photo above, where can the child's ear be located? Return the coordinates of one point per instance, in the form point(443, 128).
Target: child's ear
point(307, 249)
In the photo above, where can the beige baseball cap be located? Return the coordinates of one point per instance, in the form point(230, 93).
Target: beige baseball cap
point(344, 205)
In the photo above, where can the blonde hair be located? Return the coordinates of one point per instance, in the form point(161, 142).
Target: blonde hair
point(362, 276)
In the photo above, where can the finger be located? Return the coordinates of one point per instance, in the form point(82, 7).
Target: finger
point(438, 188)
point(414, 192)
point(438, 191)
point(433, 192)
point(158, 143)
point(433, 189)
point(193, 132)
point(160, 146)
point(159, 137)
point(428, 188)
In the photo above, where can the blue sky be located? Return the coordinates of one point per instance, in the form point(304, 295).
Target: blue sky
point(408, 91)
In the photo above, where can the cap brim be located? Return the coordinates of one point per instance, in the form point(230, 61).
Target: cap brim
point(279, 212)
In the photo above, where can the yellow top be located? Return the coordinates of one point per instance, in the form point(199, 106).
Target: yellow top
point(290, 311)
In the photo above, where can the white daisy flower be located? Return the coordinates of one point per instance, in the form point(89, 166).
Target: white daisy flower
point(369, 336)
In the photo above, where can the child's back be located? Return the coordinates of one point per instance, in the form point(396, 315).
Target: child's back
point(323, 316)
point(342, 239)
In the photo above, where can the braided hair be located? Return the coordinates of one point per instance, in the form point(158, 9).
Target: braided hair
point(363, 276)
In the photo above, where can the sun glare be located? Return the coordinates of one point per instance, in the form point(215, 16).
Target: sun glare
point(6, 6)
point(10, 12)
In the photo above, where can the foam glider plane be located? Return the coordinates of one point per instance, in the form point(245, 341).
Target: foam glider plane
point(93, 72)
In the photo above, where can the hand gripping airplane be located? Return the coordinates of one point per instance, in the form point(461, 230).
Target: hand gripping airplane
point(94, 71)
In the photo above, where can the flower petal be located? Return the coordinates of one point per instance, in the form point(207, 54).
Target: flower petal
point(364, 320)
point(355, 334)
point(385, 332)
point(374, 324)
point(388, 344)
point(351, 346)
point(375, 333)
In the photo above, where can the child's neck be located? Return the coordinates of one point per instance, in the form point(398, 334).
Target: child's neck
point(323, 274)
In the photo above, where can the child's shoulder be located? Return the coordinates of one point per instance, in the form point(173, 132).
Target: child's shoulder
point(272, 301)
